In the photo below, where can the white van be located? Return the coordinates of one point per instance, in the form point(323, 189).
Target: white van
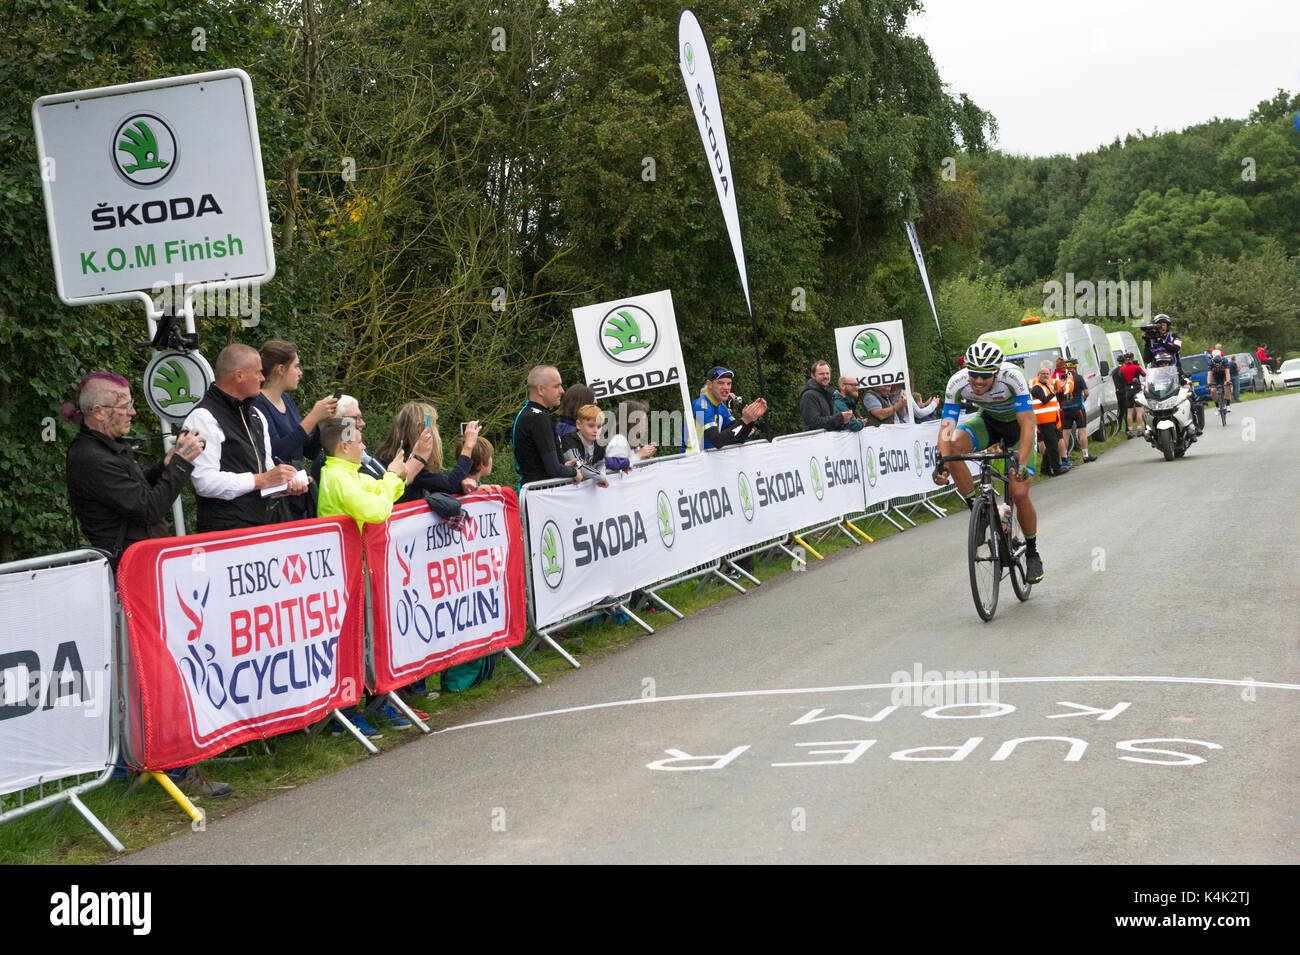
point(1035, 341)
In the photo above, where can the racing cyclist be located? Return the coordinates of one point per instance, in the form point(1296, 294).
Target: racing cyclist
point(1220, 377)
point(1005, 415)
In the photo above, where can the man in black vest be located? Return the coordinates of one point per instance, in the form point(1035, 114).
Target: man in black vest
point(236, 464)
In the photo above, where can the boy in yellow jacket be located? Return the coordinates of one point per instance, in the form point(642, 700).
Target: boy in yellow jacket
point(344, 490)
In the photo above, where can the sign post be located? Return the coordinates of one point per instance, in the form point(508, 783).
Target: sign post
point(154, 186)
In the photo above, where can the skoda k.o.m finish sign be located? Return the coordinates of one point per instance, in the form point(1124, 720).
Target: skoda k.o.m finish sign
point(154, 184)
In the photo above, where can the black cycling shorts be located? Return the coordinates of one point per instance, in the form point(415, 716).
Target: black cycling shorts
point(1071, 417)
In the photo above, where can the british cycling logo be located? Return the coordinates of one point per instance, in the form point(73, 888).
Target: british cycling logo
point(144, 150)
point(628, 334)
point(552, 555)
point(871, 347)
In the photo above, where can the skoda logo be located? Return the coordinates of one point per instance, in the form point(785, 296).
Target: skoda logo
point(870, 455)
point(746, 496)
point(815, 471)
point(871, 347)
point(688, 57)
point(552, 555)
point(916, 449)
point(144, 150)
point(628, 334)
point(667, 526)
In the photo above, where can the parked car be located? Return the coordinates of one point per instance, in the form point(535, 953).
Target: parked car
point(1290, 372)
point(1197, 368)
point(1250, 371)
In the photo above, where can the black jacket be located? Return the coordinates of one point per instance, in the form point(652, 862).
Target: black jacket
point(817, 406)
point(114, 501)
point(242, 448)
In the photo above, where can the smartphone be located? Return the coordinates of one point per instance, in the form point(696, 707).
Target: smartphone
point(338, 393)
point(428, 422)
point(462, 428)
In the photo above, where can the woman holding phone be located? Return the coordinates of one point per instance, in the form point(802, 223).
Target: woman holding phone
point(289, 431)
point(411, 421)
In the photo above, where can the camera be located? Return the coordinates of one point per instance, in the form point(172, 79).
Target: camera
point(1150, 331)
point(735, 400)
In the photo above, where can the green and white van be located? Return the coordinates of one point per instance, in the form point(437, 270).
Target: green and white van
point(1032, 343)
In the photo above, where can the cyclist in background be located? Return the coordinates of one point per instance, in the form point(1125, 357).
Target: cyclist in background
point(1005, 415)
point(1219, 375)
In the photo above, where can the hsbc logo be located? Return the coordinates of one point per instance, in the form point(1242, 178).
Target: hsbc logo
point(294, 568)
point(255, 576)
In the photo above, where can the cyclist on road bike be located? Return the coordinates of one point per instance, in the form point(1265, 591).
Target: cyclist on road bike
point(1219, 376)
point(1005, 415)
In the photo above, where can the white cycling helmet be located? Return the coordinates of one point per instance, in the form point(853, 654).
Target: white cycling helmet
point(983, 357)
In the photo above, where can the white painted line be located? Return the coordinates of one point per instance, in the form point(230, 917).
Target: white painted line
point(1205, 681)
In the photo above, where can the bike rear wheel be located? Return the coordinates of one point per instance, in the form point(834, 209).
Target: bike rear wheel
point(1223, 411)
point(985, 569)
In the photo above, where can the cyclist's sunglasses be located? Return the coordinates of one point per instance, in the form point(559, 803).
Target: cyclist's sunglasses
point(981, 375)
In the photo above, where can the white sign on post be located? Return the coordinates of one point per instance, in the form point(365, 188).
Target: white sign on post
point(154, 184)
point(631, 344)
point(874, 353)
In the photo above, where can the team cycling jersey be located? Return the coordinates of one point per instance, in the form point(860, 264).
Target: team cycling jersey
point(1008, 395)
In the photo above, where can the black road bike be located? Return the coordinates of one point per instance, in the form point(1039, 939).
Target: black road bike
point(1223, 403)
point(992, 548)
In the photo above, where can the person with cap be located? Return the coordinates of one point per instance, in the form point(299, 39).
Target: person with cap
point(714, 425)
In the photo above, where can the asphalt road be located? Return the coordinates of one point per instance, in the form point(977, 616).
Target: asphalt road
point(1163, 649)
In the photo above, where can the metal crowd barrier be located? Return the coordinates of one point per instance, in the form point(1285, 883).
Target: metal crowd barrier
point(71, 795)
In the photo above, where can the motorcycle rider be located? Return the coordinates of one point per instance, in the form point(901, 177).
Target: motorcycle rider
point(1161, 340)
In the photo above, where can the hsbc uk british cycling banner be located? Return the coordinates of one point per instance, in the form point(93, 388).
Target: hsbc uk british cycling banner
point(898, 460)
point(239, 635)
point(587, 542)
point(440, 595)
point(55, 682)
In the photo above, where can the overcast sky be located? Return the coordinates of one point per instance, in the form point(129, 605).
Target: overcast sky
point(1066, 76)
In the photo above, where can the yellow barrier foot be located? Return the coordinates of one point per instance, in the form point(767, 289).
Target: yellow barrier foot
point(196, 815)
point(853, 527)
point(804, 544)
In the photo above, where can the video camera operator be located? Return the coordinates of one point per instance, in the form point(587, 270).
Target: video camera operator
point(1158, 339)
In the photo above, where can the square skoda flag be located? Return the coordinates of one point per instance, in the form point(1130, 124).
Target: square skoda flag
point(629, 344)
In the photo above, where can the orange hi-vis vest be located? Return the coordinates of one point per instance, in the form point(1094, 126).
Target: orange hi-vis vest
point(1046, 412)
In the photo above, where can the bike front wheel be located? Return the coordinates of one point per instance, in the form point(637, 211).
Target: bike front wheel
point(1223, 412)
point(985, 569)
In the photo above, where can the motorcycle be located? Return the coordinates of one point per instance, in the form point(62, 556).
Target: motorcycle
point(1171, 424)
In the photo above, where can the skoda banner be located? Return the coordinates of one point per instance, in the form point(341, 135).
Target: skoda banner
point(56, 689)
point(702, 88)
point(587, 542)
point(442, 595)
point(240, 635)
point(631, 344)
point(898, 460)
point(874, 353)
point(154, 184)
